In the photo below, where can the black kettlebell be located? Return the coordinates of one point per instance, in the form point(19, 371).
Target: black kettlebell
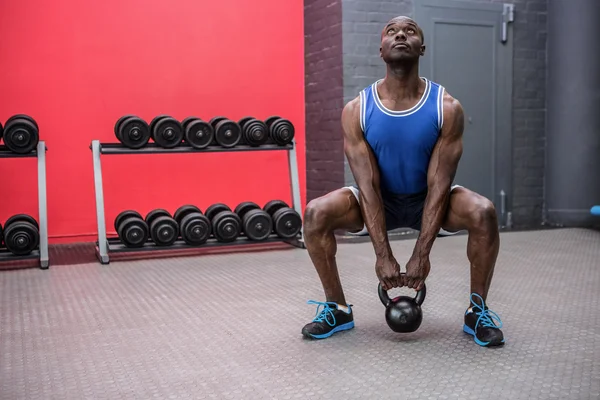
point(403, 313)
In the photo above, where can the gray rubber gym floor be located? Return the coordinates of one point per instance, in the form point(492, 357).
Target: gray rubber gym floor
point(228, 327)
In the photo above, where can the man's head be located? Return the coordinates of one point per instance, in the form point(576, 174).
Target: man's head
point(401, 40)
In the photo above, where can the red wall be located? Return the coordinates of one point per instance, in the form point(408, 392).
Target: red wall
point(76, 67)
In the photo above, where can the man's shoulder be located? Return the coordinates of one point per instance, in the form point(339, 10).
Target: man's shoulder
point(451, 104)
point(352, 109)
point(453, 115)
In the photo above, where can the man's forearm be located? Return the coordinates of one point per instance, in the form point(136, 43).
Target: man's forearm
point(433, 216)
point(374, 217)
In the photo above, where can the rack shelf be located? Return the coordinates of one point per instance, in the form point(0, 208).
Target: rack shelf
point(152, 148)
point(115, 245)
point(42, 251)
point(105, 245)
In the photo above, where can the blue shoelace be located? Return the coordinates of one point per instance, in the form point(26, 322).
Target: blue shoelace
point(486, 316)
point(326, 313)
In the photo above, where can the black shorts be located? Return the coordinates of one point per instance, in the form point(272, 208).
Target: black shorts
point(401, 210)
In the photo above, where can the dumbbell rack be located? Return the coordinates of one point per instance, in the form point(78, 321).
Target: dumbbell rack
point(42, 251)
point(105, 245)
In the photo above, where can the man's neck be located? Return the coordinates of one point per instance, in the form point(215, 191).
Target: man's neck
point(402, 81)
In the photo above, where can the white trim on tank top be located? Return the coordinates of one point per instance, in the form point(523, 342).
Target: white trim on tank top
point(363, 109)
point(440, 107)
point(401, 113)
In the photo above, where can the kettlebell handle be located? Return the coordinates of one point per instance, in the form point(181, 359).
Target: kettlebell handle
point(385, 298)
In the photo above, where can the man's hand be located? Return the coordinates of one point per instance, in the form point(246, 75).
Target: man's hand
point(388, 272)
point(417, 270)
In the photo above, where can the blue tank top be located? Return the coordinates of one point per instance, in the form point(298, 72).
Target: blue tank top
point(402, 141)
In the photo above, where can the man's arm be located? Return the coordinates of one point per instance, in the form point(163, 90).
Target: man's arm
point(366, 173)
point(442, 169)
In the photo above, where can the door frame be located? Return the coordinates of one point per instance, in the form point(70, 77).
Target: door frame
point(502, 140)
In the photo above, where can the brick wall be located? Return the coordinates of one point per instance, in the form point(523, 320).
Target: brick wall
point(362, 24)
point(324, 96)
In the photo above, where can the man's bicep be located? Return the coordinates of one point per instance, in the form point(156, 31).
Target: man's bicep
point(448, 150)
point(361, 161)
point(454, 134)
point(354, 144)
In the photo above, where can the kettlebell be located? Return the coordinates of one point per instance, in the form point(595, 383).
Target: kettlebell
point(403, 313)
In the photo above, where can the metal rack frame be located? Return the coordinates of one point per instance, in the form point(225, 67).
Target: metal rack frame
point(42, 251)
point(105, 246)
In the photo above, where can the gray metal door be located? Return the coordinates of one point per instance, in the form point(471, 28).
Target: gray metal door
point(469, 55)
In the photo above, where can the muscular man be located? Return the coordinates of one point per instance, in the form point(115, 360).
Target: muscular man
point(403, 141)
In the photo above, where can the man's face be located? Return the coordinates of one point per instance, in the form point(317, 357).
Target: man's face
point(401, 39)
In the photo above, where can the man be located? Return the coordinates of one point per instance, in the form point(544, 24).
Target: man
point(403, 141)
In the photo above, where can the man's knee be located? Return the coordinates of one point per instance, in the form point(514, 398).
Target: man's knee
point(316, 214)
point(483, 213)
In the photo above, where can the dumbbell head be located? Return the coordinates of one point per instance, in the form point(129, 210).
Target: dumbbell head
point(226, 226)
point(214, 209)
point(21, 134)
point(271, 119)
point(123, 215)
point(187, 120)
point(244, 207)
point(166, 132)
point(132, 230)
point(256, 223)
point(195, 228)
point(23, 218)
point(227, 133)
point(1, 130)
point(287, 223)
point(156, 213)
point(132, 132)
point(274, 205)
point(164, 230)
point(254, 132)
point(197, 133)
point(213, 121)
point(281, 131)
point(1, 236)
point(21, 235)
point(185, 210)
point(243, 120)
point(118, 125)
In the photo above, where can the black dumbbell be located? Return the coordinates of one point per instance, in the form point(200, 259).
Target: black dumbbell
point(21, 134)
point(197, 133)
point(1, 130)
point(227, 132)
point(256, 223)
point(287, 223)
point(21, 234)
point(164, 230)
point(226, 225)
point(254, 132)
point(132, 229)
point(166, 131)
point(281, 131)
point(132, 131)
point(194, 227)
point(1, 236)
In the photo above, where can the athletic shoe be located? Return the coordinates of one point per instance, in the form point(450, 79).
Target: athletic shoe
point(330, 319)
point(480, 322)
